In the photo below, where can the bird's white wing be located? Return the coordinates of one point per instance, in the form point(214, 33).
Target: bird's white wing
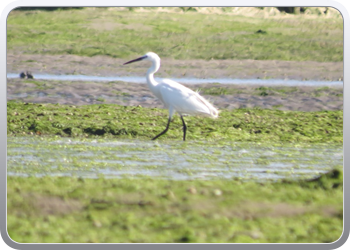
point(184, 100)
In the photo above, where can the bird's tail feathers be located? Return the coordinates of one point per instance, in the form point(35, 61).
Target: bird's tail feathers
point(214, 113)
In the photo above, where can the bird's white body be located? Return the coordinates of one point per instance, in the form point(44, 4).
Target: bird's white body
point(178, 98)
point(175, 96)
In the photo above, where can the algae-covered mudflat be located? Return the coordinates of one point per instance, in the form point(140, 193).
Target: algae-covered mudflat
point(66, 209)
point(116, 121)
point(91, 174)
point(81, 166)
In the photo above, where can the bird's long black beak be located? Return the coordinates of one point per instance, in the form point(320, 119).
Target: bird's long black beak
point(135, 60)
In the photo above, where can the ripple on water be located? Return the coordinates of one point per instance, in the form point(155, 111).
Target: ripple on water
point(92, 158)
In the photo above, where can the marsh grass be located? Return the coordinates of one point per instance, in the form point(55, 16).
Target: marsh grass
point(187, 35)
point(61, 209)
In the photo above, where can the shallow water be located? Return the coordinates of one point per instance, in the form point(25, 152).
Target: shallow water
point(91, 158)
point(132, 79)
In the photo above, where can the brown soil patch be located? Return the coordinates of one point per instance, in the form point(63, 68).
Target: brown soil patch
point(101, 25)
point(252, 210)
point(50, 205)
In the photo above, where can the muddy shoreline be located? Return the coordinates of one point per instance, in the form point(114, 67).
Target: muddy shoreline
point(242, 69)
point(300, 98)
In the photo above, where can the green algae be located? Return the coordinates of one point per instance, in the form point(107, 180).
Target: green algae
point(128, 122)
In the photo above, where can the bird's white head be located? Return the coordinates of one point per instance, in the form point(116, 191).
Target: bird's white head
point(150, 56)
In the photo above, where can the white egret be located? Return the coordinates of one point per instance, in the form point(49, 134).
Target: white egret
point(175, 96)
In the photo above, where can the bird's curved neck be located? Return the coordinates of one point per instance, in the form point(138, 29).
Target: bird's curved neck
point(150, 74)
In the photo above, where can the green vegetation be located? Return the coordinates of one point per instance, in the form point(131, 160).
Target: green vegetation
point(150, 209)
point(116, 121)
point(62, 209)
point(186, 35)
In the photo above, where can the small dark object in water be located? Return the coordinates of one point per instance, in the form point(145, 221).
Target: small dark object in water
point(29, 75)
point(26, 75)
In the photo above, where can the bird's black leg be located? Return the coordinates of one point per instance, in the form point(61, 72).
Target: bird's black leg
point(184, 127)
point(165, 130)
